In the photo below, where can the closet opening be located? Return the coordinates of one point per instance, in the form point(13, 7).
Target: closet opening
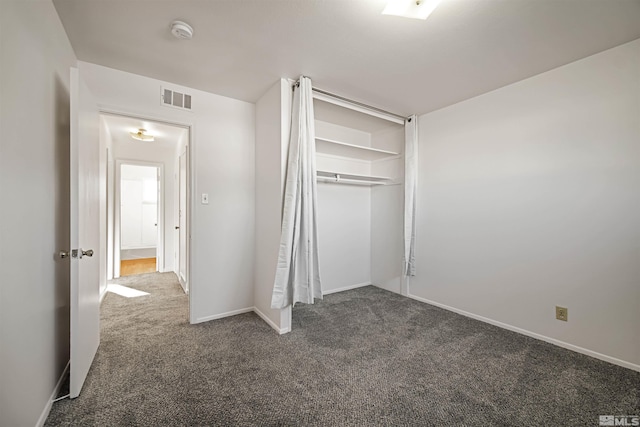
point(358, 217)
point(360, 176)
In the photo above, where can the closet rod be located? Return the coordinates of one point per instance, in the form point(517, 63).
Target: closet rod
point(359, 104)
point(375, 111)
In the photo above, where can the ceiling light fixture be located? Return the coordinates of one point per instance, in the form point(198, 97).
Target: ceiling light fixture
point(141, 135)
point(417, 9)
point(181, 30)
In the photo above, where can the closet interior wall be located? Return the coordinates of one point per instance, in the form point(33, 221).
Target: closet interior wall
point(359, 159)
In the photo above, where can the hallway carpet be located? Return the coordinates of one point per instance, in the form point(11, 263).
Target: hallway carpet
point(364, 357)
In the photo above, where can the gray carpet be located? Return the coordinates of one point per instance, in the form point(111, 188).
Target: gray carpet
point(364, 357)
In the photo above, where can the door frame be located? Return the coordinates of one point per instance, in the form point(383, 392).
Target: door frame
point(191, 183)
point(117, 248)
point(178, 193)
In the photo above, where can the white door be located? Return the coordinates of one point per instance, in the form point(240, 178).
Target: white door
point(85, 233)
point(182, 214)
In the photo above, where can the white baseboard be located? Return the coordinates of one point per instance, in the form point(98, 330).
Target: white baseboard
point(346, 288)
point(183, 284)
point(242, 311)
point(285, 331)
point(223, 315)
point(103, 294)
point(56, 390)
point(270, 322)
point(398, 291)
point(553, 341)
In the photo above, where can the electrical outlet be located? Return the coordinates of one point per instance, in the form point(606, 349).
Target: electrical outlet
point(562, 313)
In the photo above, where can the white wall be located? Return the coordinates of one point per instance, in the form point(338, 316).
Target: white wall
point(344, 235)
point(529, 198)
point(273, 116)
point(35, 57)
point(222, 156)
point(387, 212)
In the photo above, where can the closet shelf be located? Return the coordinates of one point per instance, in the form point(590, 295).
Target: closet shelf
point(345, 178)
point(342, 149)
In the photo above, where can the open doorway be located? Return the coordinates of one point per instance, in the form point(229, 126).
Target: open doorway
point(139, 207)
point(147, 197)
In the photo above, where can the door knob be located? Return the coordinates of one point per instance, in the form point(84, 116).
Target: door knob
point(177, 227)
point(64, 254)
point(88, 253)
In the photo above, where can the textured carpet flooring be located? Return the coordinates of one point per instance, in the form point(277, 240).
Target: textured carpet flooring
point(364, 357)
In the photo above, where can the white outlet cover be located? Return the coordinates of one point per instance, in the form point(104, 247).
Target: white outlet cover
point(205, 198)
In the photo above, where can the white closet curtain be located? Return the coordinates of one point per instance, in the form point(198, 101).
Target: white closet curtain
point(297, 273)
point(410, 192)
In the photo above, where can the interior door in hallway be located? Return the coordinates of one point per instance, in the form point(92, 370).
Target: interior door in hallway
point(85, 232)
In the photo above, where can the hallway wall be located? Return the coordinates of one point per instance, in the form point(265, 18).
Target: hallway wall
point(223, 160)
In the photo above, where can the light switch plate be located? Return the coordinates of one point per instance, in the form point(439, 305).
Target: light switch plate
point(205, 198)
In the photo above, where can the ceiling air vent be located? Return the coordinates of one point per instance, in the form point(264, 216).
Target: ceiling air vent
point(172, 98)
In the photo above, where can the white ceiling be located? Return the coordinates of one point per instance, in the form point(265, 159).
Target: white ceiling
point(241, 47)
point(165, 135)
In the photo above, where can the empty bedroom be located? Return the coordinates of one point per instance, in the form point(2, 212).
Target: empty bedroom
point(320, 213)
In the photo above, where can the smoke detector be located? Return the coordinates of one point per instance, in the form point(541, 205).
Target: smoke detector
point(181, 30)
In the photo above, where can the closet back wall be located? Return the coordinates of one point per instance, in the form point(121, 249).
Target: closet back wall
point(344, 228)
point(344, 218)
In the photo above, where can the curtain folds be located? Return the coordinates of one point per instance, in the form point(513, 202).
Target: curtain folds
point(410, 192)
point(297, 273)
